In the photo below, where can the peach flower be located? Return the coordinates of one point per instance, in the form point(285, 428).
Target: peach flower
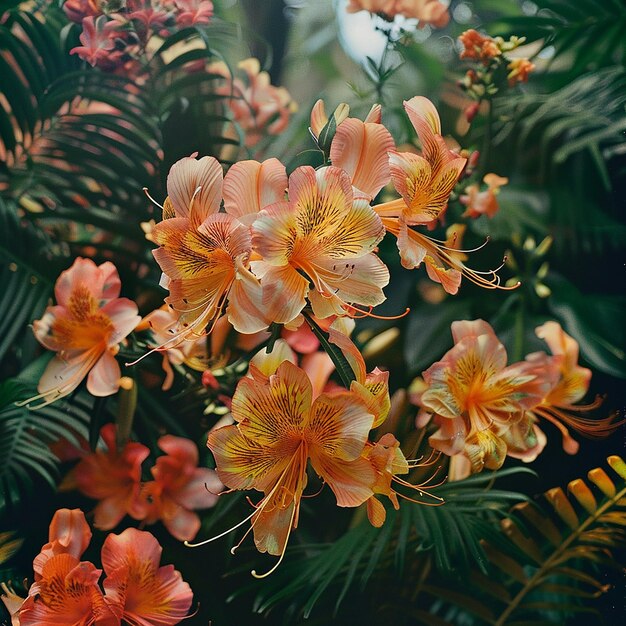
point(84, 329)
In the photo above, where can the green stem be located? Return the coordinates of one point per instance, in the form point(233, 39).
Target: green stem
point(344, 370)
point(486, 147)
point(518, 340)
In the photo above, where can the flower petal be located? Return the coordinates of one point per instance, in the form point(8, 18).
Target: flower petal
point(250, 186)
point(284, 293)
point(318, 366)
point(411, 175)
point(104, 377)
point(69, 533)
point(123, 314)
point(338, 425)
point(448, 277)
point(137, 589)
point(268, 413)
point(361, 150)
point(412, 252)
point(245, 310)
point(351, 481)
point(425, 119)
point(102, 281)
point(183, 180)
point(272, 526)
point(200, 492)
point(268, 363)
point(243, 463)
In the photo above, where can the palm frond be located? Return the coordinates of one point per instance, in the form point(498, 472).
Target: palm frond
point(549, 559)
point(25, 438)
point(25, 291)
point(586, 115)
point(78, 145)
point(449, 535)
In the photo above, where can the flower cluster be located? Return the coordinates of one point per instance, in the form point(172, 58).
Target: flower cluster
point(486, 410)
point(426, 11)
point(282, 244)
point(137, 590)
point(113, 36)
point(495, 66)
point(178, 486)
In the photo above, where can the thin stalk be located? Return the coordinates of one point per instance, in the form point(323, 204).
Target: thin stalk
point(518, 339)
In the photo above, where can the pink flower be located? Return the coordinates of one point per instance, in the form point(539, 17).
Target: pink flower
point(113, 477)
point(205, 253)
point(138, 591)
point(179, 487)
point(84, 329)
point(192, 12)
point(151, 14)
point(98, 42)
point(476, 399)
point(569, 386)
point(258, 107)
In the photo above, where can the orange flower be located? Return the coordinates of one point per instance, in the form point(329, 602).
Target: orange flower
point(477, 46)
point(483, 202)
point(570, 385)
point(279, 429)
point(112, 477)
point(205, 254)
point(138, 591)
point(179, 487)
point(388, 461)
point(476, 398)
point(66, 590)
point(519, 69)
point(84, 329)
point(424, 182)
point(323, 236)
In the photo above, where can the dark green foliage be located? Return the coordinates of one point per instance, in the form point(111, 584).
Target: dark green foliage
point(25, 438)
point(449, 536)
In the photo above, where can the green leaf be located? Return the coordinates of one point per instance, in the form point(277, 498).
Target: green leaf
point(596, 322)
